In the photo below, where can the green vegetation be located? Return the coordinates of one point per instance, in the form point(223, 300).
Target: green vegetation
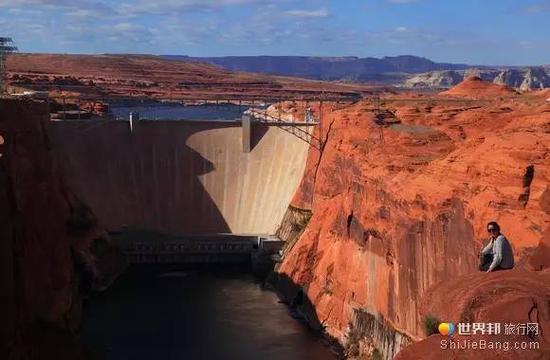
point(80, 221)
point(431, 324)
point(376, 355)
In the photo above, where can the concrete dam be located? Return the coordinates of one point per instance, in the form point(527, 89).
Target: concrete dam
point(181, 177)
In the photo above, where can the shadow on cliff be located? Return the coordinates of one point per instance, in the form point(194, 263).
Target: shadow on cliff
point(302, 308)
point(42, 228)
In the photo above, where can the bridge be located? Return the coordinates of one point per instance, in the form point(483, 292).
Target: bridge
point(82, 108)
point(300, 129)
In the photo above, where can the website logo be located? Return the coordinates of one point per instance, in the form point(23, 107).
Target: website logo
point(446, 329)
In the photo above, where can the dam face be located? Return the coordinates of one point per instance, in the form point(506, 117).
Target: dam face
point(181, 177)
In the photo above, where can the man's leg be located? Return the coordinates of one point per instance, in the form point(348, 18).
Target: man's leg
point(485, 262)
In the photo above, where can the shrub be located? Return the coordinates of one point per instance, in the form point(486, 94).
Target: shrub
point(431, 325)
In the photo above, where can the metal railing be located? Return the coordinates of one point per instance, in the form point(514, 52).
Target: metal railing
point(72, 108)
point(293, 127)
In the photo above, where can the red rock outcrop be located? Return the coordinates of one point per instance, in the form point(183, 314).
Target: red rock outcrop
point(474, 87)
point(52, 249)
point(399, 209)
point(511, 297)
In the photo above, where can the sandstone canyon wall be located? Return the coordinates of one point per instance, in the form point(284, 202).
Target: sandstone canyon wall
point(523, 79)
point(52, 247)
point(399, 209)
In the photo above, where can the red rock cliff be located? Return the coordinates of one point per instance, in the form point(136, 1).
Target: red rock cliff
point(51, 246)
point(398, 209)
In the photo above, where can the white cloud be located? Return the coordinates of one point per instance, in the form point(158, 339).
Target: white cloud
point(159, 7)
point(85, 13)
point(299, 13)
point(176, 26)
point(76, 8)
point(540, 7)
point(24, 12)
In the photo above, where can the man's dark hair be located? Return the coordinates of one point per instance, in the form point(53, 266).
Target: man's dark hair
point(494, 224)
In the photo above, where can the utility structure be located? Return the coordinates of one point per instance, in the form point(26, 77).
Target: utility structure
point(6, 48)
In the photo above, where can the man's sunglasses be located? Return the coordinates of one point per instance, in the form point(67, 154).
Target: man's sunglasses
point(491, 229)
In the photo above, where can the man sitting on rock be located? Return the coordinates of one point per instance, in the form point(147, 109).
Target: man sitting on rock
point(497, 255)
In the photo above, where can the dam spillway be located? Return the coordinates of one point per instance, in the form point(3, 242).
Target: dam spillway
point(181, 177)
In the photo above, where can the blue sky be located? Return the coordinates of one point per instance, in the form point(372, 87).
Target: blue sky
point(512, 32)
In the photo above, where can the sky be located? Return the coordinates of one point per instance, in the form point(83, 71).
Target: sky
point(476, 32)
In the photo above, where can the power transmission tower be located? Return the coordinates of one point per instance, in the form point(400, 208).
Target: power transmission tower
point(6, 48)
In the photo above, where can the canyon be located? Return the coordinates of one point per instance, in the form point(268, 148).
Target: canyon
point(399, 214)
point(382, 222)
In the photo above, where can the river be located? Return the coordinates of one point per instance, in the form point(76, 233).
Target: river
point(160, 313)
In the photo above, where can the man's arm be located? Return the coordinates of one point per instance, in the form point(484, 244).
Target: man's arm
point(497, 253)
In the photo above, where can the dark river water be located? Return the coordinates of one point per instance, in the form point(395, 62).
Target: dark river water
point(156, 111)
point(151, 313)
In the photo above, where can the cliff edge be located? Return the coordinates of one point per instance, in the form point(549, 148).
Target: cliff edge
point(52, 249)
point(400, 207)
